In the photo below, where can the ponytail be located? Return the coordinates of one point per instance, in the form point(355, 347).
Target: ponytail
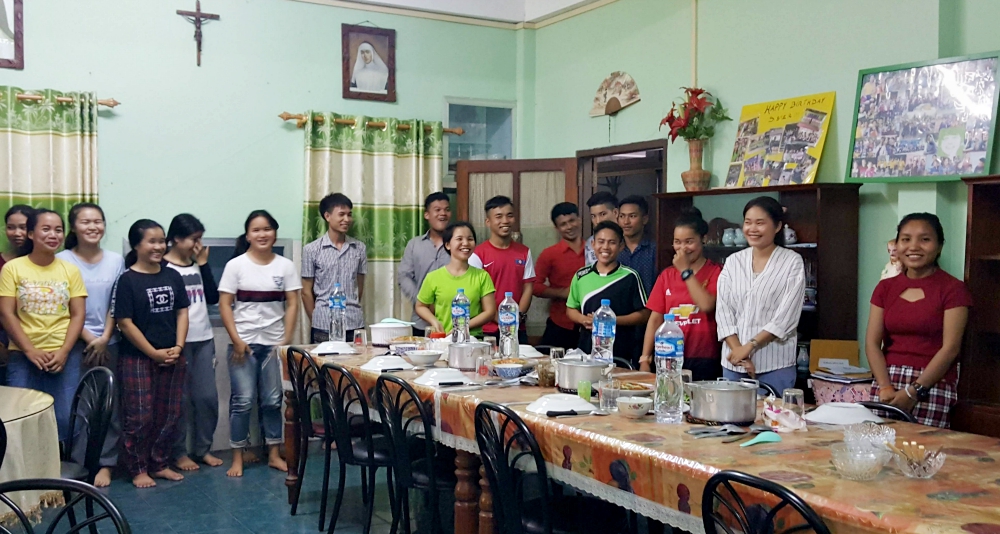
point(29, 244)
point(136, 233)
point(242, 243)
point(71, 238)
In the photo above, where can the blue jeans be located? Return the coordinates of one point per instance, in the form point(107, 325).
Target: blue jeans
point(258, 375)
point(21, 373)
point(779, 379)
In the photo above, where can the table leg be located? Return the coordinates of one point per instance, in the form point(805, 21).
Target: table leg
point(291, 443)
point(486, 525)
point(466, 494)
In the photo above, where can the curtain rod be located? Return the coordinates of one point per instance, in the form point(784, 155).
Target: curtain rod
point(109, 102)
point(300, 121)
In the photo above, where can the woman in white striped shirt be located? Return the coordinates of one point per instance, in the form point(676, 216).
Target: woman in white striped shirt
point(760, 301)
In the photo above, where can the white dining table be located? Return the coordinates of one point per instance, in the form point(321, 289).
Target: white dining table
point(32, 446)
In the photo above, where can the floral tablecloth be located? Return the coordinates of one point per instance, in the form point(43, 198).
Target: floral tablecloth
point(659, 471)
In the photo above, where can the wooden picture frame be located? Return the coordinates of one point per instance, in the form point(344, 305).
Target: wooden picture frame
point(928, 121)
point(12, 34)
point(373, 50)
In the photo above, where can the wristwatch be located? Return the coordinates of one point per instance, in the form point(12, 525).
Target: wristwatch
point(686, 273)
point(923, 393)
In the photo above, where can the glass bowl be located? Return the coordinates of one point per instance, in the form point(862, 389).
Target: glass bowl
point(925, 469)
point(869, 435)
point(858, 463)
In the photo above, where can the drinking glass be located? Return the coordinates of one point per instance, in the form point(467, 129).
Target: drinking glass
point(492, 340)
point(794, 399)
point(609, 390)
point(546, 373)
point(360, 339)
point(483, 366)
point(583, 389)
point(557, 353)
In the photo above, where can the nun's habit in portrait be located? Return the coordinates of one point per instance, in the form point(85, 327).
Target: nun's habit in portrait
point(370, 75)
point(6, 29)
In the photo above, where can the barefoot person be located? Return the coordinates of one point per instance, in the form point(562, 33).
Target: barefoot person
point(100, 270)
point(200, 407)
point(150, 308)
point(265, 289)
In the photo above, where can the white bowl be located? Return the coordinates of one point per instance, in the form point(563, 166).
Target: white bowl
point(841, 413)
point(559, 402)
point(379, 363)
point(423, 358)
point(382, 333)
point(433, 377)
point(634, 407)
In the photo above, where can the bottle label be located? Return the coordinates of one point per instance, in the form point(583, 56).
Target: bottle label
point(459, 311)
point(507, 318)
point(605, 329)
point(669, 347)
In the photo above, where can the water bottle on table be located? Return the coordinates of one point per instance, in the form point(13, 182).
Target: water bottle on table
point(338, 314)
point(460, 316)
point(508, 318)
point(669, 350)
point(603, 334)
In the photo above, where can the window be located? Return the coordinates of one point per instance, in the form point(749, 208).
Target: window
point(489, 131)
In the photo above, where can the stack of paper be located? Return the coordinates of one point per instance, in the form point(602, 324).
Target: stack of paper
point(838, 370)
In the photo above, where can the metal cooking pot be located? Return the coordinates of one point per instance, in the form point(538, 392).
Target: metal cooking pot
point(464, 355)
point(570, 372)
point(724, 401)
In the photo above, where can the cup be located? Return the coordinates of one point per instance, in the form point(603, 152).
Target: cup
point(583, 389)
point(360, 339)
point(557, 353)
point(794, 400)
point(546, 373)
point(484, 365)
point(609, 390)
point(492, 340)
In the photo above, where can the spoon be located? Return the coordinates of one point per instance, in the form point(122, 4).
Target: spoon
point(763, 437)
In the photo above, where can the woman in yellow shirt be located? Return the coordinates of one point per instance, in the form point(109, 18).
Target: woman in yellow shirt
point(42, 307)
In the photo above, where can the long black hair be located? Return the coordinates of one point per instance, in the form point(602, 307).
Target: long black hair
point(136, 233)
point(449, 232)
point(242, 244)
point(774, 211)
point(23, 209)
point(71, 238)
point(182, 226)
point(29, 244)
point(929, 218)
point(691, 218)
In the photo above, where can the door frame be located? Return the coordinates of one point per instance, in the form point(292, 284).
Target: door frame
point(464, 168)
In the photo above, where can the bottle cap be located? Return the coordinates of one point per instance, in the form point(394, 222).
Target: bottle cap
point(509, 294)
point(605, 302)
point(668, 317)
point(461, 290)
point(336, 284)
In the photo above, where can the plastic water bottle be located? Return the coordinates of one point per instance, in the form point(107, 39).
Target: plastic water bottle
point(669, 350)
point(603, 336)
point(508, 317)
point(460, 316)
point(338, 314)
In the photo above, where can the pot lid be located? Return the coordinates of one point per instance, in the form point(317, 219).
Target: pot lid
point(583, 363)
point(723, 385)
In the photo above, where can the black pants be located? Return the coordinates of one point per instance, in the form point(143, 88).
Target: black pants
point(557, 336)
point(319, 336)
point(417, 332)
point(703, 368)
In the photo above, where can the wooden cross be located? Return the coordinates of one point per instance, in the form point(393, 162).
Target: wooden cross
point(196, 17)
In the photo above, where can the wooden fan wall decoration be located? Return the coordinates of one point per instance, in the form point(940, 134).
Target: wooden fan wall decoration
point(617, 92)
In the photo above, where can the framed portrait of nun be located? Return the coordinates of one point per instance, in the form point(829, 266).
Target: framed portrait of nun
point(369, 63)
point(11, 34)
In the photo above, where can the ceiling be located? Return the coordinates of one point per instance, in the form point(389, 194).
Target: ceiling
point(512, 11)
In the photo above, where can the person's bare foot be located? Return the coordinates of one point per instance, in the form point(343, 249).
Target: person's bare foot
point(103, 478)
point(143, 480)
point(250, 457)
point(211, 460)
point(236, 470)
point(168, 474)
point(185, 463)
point(275, 461)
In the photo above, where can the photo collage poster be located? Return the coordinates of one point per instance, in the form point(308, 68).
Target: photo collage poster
point(780, 142)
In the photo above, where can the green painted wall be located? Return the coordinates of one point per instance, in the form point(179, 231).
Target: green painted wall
point(207, 140)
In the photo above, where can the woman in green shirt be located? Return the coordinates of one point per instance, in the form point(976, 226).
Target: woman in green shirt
point(440, 286)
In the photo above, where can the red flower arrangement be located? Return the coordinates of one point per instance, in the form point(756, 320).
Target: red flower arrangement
point(697, 116)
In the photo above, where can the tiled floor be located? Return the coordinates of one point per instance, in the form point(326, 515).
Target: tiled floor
point(207, 501)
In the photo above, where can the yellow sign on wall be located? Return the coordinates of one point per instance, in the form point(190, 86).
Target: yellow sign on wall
point(780, 142)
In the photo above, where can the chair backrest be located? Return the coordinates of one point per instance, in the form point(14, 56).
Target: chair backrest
point(3, 442)
point(102, 513)
point(409, 424)
point(504, 441)
point(623, 364)
point(344, 400)
point(737, 502)
point(91, 409)
point(890, 411)
point(304, 375)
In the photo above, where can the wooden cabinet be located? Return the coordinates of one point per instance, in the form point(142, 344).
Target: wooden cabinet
point(825, 217)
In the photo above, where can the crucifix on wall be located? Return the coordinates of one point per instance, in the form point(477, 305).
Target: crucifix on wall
point(196, 17)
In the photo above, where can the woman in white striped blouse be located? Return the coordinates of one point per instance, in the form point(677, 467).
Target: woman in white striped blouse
point(760, 301)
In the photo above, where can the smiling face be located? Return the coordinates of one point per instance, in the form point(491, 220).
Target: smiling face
point(632, 220)
point(500, 221)
point(339, 219)
point(601, 213)
point(569, 226)
point(261, 235)
point(462, 243)
point(48, 233)
point(17, 229)
point(917, 245)
point(759, 228)
point(607, 246)
point(688, 242)
point(185, 245)
point(152, 247)
point(438, 215)
point(89, 226)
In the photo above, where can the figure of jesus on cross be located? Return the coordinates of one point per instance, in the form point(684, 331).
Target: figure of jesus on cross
point(196, 17)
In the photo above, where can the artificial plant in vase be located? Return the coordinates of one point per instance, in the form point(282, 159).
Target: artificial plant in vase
point(695, 121)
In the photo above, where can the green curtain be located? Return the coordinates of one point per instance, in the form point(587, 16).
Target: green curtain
point(48, 150)
point(386, 173)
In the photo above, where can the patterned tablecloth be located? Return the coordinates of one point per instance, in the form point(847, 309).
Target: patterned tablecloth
point(659, 471)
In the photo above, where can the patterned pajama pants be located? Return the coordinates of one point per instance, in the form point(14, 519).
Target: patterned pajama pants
point(151, 408)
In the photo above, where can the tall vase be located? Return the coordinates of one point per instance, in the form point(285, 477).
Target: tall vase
point(696, 178)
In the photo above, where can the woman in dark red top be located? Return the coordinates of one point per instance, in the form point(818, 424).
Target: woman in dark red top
point(915, 326)
point(688, 288)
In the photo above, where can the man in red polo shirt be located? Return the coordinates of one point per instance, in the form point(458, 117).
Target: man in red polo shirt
point(508, 262)
point(556, 267)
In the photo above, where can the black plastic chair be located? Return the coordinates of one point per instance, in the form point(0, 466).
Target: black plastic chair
point(341, 394)
point(890, 411)
point(624, 364)
point(723, 510)
point(91, 410)
point(504, 441)
point(417, 463)
point(53, 522)
point(3, 442)
point(305, 377)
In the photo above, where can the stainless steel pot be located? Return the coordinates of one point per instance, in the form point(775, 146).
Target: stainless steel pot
point(463, 355)
point(571, 372)
point(723, 401)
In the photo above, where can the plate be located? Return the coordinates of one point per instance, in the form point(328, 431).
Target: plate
point(433, 377)
point(559, 402)
point(386, 362)
point(649, 389)
point(333, 347)
point(527, 351)
point(841, 413)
